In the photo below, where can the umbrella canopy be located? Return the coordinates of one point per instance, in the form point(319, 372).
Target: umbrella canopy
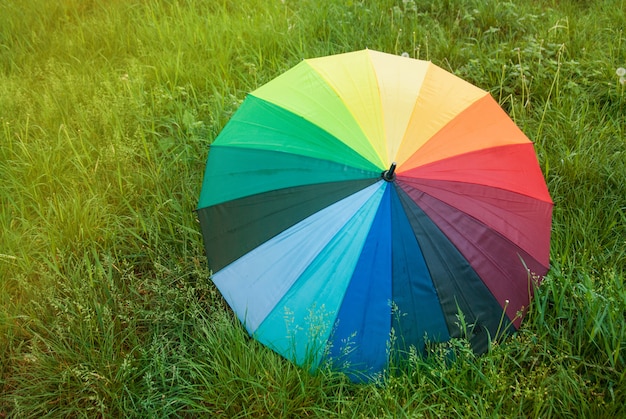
point(362, 202)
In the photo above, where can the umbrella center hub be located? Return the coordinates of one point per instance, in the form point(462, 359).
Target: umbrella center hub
point(389, 175)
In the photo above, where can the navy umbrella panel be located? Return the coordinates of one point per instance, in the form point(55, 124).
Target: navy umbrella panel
point(358, 203)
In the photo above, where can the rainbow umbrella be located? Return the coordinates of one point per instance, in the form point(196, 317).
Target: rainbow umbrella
point(363, 203)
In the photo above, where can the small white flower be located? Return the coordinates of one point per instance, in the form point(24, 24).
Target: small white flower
point(622, 80)
point(406, 55)
point(621, 71)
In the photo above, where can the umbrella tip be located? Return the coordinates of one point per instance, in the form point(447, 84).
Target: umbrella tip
point(389, 175)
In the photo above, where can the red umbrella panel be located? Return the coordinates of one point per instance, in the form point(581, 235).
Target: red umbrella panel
point(364, 196)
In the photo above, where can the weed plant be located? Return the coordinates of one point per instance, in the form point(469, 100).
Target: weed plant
point(107, 110)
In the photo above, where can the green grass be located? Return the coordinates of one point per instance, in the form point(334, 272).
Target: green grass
point(106, 112)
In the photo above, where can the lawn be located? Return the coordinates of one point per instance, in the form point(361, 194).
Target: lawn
point(107, 111)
